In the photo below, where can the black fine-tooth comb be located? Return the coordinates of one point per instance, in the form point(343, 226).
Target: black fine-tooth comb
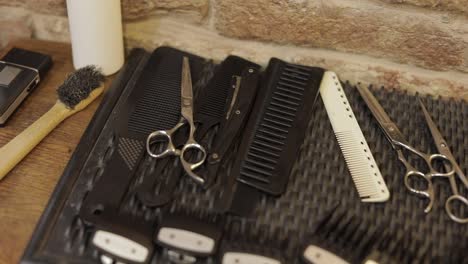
point(157, 186)
point(214, 98)
point(153, 104)
point(210, 108)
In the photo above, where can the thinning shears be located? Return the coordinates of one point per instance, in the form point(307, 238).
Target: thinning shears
point(399, 143)
point(166, 136)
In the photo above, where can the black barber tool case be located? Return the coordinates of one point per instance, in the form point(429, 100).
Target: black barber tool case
point(320, 204)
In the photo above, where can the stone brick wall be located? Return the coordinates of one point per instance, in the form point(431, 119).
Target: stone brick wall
point(418, 45)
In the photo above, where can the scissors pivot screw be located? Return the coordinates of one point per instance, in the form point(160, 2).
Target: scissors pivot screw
point(237, 112)
point(215, 156)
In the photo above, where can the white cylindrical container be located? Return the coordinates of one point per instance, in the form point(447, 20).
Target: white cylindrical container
point(96, 34)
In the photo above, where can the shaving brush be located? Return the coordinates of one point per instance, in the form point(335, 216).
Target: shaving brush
point(78, 91)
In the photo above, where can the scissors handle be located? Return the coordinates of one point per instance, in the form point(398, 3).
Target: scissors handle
point(412, 172)
point(429, 159)
point(165, 136)
point(449, 207)
point(189, 166)
point(428, 192)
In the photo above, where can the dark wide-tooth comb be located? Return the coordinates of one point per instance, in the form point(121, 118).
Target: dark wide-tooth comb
point(242, 90)
point(276, 127)
point(273, 135)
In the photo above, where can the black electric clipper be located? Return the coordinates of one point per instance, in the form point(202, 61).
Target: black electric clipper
point(187, 237)
point(20, 72)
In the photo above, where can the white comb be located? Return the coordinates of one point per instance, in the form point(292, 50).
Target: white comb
point(361, 164)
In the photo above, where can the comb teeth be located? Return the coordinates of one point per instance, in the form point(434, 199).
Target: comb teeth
point(130, 150)
point(215, 96)
point(213, 103)
point(361, 164)
point(159, 82)
point(271, 134)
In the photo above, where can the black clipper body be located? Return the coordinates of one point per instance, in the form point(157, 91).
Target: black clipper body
point(188, 237)
point(20, 72)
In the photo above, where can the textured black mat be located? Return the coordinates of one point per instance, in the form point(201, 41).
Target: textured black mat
point(282, 226)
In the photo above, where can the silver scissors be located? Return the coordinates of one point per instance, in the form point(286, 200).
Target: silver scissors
point(399, 143)
point(186, 118)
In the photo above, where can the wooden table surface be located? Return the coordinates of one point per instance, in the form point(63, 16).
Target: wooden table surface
point(25, 191)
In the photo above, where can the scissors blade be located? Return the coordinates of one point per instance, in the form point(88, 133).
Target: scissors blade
point(441, 144)
point(186, 91)
point(374, 105)
point(390, 129)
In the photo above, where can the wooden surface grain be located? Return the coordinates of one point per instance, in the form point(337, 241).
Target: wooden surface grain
point(25, 191)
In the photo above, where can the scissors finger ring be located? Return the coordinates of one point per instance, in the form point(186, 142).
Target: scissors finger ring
point(450, 213)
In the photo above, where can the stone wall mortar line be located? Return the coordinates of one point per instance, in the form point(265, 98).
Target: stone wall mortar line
point(199, 38)
point(353, 67)
point(436, 5)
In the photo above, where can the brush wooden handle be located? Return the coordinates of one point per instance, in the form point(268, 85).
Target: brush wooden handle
point(15, 150)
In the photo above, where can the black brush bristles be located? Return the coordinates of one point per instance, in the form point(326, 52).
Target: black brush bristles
point(79, 85)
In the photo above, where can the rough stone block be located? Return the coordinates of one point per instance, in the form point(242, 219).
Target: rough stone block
point(135, 9)
point(131, 9)
point(15, 23)
point(55, 7)
point(49, 27)
point(363, 27)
